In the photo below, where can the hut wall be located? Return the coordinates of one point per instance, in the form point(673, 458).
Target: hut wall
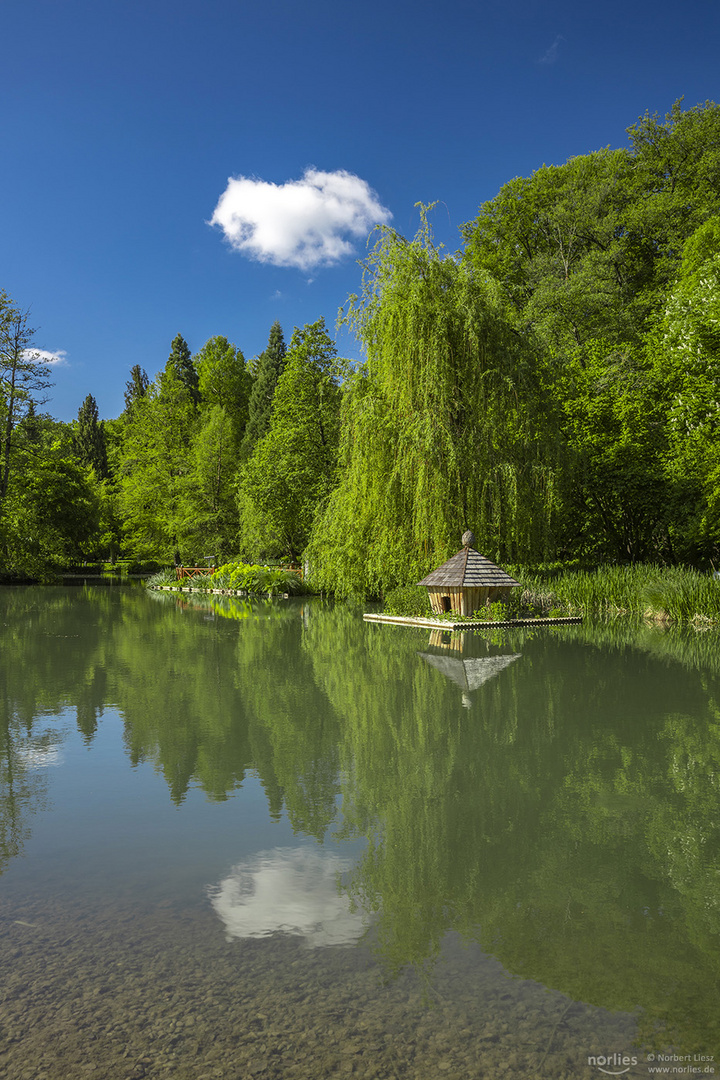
point(465, 601)
point(436, 599)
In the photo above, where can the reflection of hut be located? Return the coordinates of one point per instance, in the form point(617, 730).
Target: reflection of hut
point(467, 582)
point(448, 639)
point(470, 673)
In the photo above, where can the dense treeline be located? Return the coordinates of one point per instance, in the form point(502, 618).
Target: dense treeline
point(553, 385)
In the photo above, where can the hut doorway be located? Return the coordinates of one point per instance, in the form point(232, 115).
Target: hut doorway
point(445, 603)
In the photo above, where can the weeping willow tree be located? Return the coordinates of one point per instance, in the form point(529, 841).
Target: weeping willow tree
point(443, 427)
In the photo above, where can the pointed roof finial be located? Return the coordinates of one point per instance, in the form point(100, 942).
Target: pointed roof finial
point(468, 539)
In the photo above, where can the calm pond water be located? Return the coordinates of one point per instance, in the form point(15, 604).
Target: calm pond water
point(273, 841)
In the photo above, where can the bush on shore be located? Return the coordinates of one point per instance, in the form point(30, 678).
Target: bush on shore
point(237, 576)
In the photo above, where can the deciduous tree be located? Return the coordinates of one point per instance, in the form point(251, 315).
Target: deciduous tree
point(443, 430)
point(24, 378)
point(224, 381)
point(292, 469)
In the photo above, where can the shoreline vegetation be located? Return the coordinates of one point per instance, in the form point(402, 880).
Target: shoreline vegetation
point(662, 595)
point(552, 385)
point(679, 595)
point(236, 578)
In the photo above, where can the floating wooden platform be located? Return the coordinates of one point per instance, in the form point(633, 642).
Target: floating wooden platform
point(477, 624)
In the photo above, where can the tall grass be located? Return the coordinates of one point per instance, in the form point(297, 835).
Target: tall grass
point(675, 593)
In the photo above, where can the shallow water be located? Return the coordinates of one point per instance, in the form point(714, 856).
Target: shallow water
point(271, 840)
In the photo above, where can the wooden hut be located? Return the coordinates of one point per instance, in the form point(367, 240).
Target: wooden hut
point(467, 582)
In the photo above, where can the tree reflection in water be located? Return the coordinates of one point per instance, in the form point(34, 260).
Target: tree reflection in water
point(569, 820)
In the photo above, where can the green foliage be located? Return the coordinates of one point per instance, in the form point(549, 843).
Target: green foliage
point(494, 612)
point(608, 260)
point(180, 366)
point(267, 370)
point(291, 471)
point(555, 244)
point(587, 249)
point(675, 185)
point(155, 467)
point(89, 438)
point(445, 427)
point(224, 381)
point(686, 353)
point(24, 376)
point(615, 491)
point(136, 387)
point(166, 576)
point(208, 507)
point(51, 512)
point(677, 593)
point(237, 576)
point(409, 600)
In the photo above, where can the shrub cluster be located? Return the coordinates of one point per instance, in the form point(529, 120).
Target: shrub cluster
point(237, 576)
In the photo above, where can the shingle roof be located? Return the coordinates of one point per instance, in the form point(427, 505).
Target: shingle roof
point(469, 570)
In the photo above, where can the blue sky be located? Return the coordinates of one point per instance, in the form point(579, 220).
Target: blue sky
point(123, 122)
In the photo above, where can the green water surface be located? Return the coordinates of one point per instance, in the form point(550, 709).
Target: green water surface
point(272, 840)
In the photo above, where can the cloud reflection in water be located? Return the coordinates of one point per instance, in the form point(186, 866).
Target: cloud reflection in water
point(288, 890)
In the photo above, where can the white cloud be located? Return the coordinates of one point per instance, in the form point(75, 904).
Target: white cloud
point(57, 357)
point(303, 223)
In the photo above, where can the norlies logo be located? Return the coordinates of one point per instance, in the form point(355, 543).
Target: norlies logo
point(602, 1062)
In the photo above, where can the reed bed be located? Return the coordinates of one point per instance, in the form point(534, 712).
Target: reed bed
point(675, 594)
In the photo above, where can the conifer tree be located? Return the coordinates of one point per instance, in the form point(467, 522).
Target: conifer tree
point(180, 363)
point(89, 438)
point(270, 367)
point(136, 387)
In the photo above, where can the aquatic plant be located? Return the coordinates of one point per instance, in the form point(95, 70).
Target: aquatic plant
point(166, 576)
point(679, 594)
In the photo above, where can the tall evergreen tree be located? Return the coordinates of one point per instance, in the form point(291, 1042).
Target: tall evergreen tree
point(270, 367)
point(89, 438)
point(181, 364)
point(136, 387)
